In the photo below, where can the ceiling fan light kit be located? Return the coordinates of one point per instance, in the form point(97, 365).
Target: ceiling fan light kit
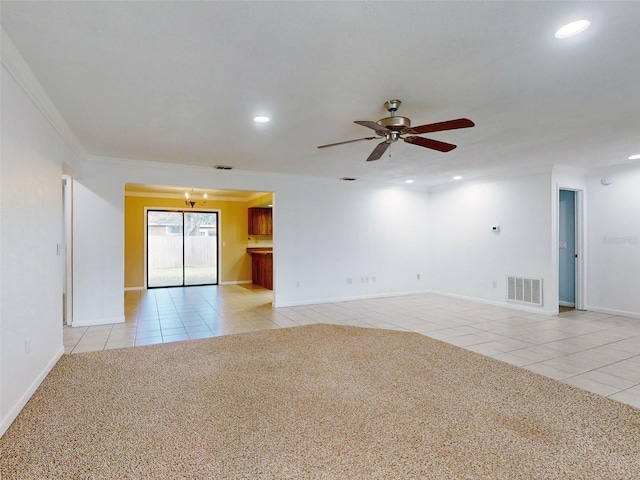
point(392, 128)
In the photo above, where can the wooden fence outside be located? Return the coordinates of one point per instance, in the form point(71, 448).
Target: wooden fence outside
point(166, 251)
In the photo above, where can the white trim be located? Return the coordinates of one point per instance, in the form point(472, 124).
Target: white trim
point(20, 70)
point(129, 289)
point(68, 246)
point(580, 282)
point(347, 299)
point(509, 305)
point(612, 311)
point(13, 413)
point(97, 321)
point(235, 282)
point(581, 250)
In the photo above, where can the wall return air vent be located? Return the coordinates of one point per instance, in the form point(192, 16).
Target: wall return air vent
point(524, 290)
point(222, 167)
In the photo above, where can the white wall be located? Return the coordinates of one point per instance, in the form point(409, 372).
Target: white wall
point(614, 241)
point(467, 257)
point(329, 232)
point(98, 253)
point(30, 229)
point(325, 231)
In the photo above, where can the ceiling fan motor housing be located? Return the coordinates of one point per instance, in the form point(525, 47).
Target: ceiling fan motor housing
point(395, 123)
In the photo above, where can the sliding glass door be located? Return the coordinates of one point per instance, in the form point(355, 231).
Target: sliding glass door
point(164, 249)
point(182, 248)
point(200, 248)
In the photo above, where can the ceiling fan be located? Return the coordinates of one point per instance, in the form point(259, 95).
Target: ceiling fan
point(392, 128)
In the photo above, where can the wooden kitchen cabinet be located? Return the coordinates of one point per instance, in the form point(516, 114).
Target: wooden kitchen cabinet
point(262, 269)
point(260, 221)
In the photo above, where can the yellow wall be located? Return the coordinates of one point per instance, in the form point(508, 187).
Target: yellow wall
point(235, 263)
point(266, 198)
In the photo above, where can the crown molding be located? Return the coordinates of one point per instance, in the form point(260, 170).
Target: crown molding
point(20, 70)
point(180, 196)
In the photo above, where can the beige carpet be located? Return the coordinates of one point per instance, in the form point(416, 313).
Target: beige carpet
point(315, 402)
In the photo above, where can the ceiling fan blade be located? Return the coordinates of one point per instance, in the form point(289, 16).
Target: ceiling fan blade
point(372, 125)
point(440, 126)
point(348, 141)
point(378, 151)
point(428, 143)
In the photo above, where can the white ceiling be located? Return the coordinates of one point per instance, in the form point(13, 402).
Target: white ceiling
point(180, 82)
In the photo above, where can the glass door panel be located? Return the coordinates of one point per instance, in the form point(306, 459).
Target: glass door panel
point(200, 248)
point(165, 259)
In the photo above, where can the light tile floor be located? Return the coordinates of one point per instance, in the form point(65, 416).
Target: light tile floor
point(594, 351)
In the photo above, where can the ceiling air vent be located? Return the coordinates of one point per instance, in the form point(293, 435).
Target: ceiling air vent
point(222, 167)
point(348, 179)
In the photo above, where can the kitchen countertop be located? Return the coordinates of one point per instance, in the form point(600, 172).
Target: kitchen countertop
point(260, 251)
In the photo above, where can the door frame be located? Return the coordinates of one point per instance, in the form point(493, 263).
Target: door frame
point(178, 209)
point(67, 249)
point(580, 261)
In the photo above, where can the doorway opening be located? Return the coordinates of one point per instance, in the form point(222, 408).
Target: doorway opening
point(182, 248)
point(570, 240)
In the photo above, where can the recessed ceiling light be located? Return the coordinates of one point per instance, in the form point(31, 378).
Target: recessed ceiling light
point(635, 157)
point(261, 119)
point(573, 28)
point(457, 177)
point(408, 181)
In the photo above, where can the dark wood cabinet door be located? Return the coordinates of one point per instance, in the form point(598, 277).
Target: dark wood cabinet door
point(260, 221)
point(262, 270)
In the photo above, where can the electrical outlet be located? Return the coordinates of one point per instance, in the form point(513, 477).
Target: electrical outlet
point(297, 284)
point(349, 280)
point(418, 276)
point(495, 284)
point(27, 346)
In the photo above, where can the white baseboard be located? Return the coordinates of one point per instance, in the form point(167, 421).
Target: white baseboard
point(566, 304)
point(612, 311)
point(128, 289)
point(17, 408)
point(345, 299)
point(505, 304)
point(97, 321)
